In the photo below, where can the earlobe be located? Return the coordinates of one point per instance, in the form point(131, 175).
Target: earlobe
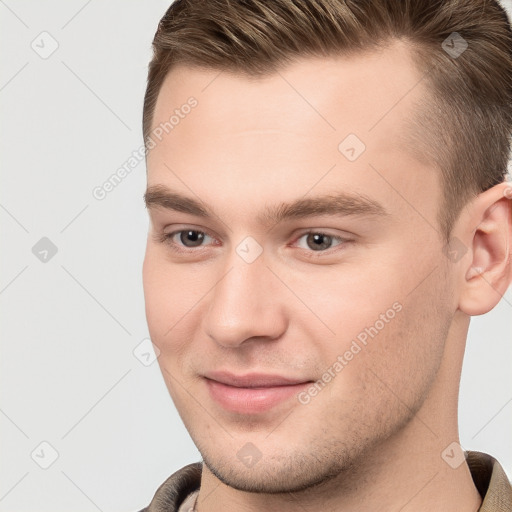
point(489, 232)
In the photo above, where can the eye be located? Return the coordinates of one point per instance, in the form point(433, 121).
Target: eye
point(318, 241)
point(186, 239)
point(190, 240)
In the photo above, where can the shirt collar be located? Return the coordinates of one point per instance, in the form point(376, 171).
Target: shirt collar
point(491, 481)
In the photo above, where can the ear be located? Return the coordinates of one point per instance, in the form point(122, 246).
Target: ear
point(487, 271)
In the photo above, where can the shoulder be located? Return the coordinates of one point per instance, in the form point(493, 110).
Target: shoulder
point(491, 482)
point(175, 489)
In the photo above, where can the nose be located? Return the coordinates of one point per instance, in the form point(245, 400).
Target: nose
point(246, 303)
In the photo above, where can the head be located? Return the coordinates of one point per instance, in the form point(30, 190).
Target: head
point(329, 209)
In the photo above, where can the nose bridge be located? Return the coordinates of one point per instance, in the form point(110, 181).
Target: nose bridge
point(243, 303)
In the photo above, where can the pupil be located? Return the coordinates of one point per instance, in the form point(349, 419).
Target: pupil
point(319, 241)
point(192, 238)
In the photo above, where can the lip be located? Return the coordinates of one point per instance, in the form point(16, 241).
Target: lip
point(252, 393)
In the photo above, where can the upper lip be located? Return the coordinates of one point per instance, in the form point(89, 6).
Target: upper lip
point(253, 380)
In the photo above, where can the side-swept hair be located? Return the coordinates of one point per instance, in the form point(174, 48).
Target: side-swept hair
point(462, 126)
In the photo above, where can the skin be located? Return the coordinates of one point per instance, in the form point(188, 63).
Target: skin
point(373, 437)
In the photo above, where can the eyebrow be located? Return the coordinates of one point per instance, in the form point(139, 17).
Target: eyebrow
point(338, 204)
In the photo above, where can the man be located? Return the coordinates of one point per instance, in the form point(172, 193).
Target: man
point(328, 208)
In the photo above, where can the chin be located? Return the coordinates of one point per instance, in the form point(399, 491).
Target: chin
point(276, 476)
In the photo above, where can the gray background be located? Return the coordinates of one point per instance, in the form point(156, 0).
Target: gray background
point(70, 324)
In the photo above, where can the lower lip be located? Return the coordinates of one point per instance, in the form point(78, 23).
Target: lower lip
point(251, 400)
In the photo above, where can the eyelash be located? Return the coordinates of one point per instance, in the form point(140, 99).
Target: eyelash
point(167, 238)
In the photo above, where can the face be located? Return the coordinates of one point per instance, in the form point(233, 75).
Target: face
point(294, 272)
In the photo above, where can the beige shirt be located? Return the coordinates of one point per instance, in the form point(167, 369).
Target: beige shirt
point(179, 491)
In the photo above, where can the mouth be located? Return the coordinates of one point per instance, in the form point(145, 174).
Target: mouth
point(252, 393)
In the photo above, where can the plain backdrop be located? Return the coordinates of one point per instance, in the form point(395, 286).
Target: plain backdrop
point(75, 398)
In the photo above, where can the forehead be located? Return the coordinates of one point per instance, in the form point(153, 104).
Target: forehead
point(355, 92)
point(286, 131)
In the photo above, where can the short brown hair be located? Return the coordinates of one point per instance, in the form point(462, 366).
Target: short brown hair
point(464, 125)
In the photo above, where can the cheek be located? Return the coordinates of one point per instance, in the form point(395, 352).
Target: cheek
point(354, 303)
point(387, 338)
point(401, 362)
point(166, 306)
point(170, 292)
